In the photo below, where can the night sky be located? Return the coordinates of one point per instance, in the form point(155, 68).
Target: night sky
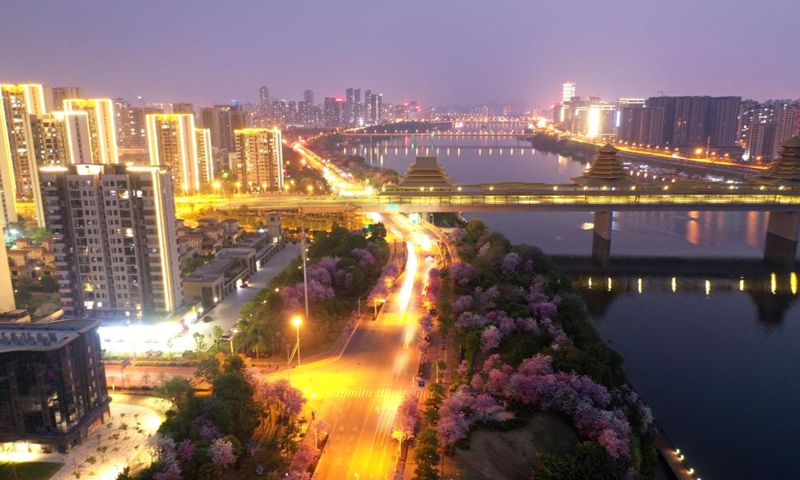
point(435, 51)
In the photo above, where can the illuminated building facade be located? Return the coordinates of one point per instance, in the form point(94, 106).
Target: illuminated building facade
point(7, 302)
point(172, 142)
point(205, 155)
point(53, 389)
point(260, 159)
point(103, 133)
point(61, 138)
point(115, 239)
point(568, 90)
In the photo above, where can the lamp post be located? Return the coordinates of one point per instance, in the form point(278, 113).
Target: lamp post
point(297, 321)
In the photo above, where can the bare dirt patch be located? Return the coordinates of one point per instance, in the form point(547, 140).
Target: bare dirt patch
point(512, 455)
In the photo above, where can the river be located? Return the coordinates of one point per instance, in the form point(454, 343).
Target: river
point(710, 344)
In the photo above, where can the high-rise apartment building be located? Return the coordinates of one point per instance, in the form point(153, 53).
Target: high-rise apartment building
point(18, 170)
point(205, 156)
point(172, 142)
point(308, 97)
point(115, 240)
point(57, 95)
point(103, 133)
point(349, 107)
point(222, 120)
point(333, 112)
point(61, 138)
point(568, 92)
point(187, 108)
point(260, 159)
point(7, 302)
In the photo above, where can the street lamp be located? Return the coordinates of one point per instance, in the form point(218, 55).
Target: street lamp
point(297, 321)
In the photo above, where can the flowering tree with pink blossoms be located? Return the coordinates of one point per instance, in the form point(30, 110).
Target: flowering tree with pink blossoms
point(406, 419)
point(221, 453)
point(490, 338)
point(463, 273)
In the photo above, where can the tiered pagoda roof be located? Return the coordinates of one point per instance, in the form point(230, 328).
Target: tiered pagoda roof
point(605, 171)
point(785, 171)
point(426, 173)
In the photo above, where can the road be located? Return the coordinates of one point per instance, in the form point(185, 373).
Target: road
point(358, 393)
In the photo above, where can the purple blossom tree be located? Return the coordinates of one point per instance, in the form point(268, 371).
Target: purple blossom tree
point(306, 454)
point(463, 273)
point(462, 304)
point(426, 323)
point(483, 404)
point(451, 428)
point(185, 451)
point(511, 263)
point(490, 338)
point(221, 453)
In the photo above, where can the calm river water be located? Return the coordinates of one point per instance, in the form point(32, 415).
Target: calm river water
point(710, 337)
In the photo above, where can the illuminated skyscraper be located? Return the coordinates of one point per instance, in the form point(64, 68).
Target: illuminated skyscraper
point(61, 138)
point(101, 127)
point(205, 156)
point(172, 142)
point(115, 240)
point(7, 302)
point(18, 172)
point(568, 91)
point(260, 162)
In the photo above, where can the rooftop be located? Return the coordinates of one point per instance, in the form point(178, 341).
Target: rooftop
point(42, 336)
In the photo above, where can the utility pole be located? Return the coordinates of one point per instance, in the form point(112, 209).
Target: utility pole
point(304, 255)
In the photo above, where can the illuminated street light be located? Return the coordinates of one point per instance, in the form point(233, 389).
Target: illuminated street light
point(296, 321)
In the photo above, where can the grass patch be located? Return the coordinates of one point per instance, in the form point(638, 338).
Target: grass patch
point(29, 470)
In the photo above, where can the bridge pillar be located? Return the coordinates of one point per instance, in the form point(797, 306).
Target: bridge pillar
point(780, 246)
point(601, 240)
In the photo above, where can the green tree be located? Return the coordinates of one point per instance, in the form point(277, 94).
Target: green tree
point(176, 390)
point(234, 411)
point(209, 369)
point(475, 229)
point(589, 461)
point(199, 342)
point(218, 333)
point(427, 455)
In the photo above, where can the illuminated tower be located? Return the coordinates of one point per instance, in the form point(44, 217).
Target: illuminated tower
point(101, 127)
point(204, 155)
point(7, 302)
point(260, 166)
point(118, 258)
point(172, 142)
point(61, 138)
point(18, 172)
point(567, 93)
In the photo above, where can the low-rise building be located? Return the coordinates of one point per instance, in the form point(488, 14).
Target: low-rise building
point(52, 383)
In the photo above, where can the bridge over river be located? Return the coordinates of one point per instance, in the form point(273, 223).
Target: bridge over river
point(603, 189)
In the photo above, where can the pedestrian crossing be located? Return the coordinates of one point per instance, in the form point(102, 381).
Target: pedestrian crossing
point(391, 319)
point(379, 394)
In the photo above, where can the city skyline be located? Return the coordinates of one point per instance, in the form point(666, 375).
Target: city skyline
point(501, 52)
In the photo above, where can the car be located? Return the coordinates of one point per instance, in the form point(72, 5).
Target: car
point(227, 336)
point(207, 318)
point(245, 285)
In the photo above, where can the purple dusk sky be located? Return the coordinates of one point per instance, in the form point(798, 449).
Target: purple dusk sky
point(434, 51)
